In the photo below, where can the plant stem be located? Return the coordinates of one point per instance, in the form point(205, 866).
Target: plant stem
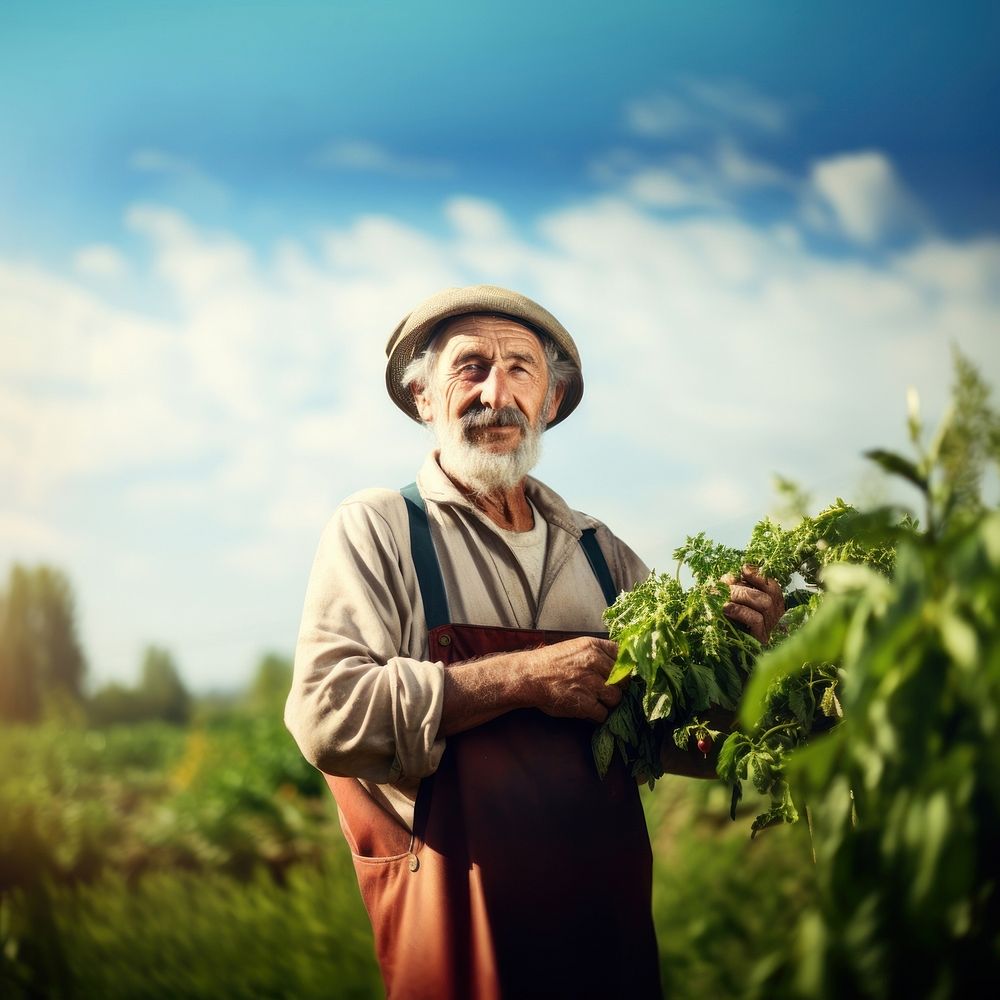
point(774, 729)
point(809, 826)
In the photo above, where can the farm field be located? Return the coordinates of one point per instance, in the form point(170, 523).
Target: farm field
point(158, 861)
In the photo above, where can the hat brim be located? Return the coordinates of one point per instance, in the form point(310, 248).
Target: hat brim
point(415, 329)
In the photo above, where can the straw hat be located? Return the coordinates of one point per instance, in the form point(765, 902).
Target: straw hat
point(417, 328)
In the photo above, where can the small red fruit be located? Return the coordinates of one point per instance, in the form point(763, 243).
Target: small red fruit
point(705, 744)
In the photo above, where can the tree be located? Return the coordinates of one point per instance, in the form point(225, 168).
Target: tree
point(40, 655)
point(115, 702)
point(270, 684)
point(161, 690)
point(160, 694)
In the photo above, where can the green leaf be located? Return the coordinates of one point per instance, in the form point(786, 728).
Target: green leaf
point(619, 672)
point(848, 578)
point(761, 770)
point(729, 683)
point(734, 748)
point(603, 746)
point(800, 709)
point(735, 799)
point(830, 704)
point(700, 687)
point(773, 817)
point(820, 640)
point(782, 810)
point(931, 823)
point(621, 723)
point(897, 465)
point(990, 534)
point(657, 705)
point(959, 639)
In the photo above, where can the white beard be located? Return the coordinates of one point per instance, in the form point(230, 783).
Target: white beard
point(481, 471)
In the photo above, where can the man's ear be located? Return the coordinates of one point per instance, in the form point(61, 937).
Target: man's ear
point(423, 402)
point(557, 398)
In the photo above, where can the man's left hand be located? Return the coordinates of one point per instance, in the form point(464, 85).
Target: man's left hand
point(755, 603)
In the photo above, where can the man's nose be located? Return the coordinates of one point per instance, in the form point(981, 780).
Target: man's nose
point(495, 392)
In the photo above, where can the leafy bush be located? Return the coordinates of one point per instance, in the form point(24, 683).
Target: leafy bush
point(905, 791)
point(231, 795)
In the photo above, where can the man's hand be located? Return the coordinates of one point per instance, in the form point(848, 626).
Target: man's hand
point(755, 603)
point(569, 678)
point(566, 679)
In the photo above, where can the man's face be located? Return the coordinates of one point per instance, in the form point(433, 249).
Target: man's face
point(488, 399)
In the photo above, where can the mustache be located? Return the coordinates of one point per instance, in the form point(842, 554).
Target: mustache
point(484, 416)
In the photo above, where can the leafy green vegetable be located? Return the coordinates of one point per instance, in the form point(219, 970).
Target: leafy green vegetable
point(683, 655)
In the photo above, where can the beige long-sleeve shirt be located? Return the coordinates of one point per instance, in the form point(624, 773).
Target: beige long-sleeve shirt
point(366, 697)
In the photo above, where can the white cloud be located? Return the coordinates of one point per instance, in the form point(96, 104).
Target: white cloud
point(714, 119)
point(714, 179)
point(866, 196)
point(196, 265)
point(477, 219)
point(84, 386)
point(714, 106)
point(486, 242)
point(179, 179)
point(99, 260)
point(659, 115)
point(370, 157)
point(971, 268)
point(738, 102)
point(157, 161)
point(663, 188)
point(722, 497)
point(25, 536)
point(740, 169)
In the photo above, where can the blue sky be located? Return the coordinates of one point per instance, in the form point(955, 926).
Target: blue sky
point(762, 221)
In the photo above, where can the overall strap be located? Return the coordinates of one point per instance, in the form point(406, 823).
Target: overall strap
point(428, 569)
point(425, 560)
point(588, 540)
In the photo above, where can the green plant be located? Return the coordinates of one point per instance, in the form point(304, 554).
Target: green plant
point(682, 655)
point(905, 792)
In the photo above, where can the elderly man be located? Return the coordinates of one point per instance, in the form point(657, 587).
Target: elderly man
point(451, 666)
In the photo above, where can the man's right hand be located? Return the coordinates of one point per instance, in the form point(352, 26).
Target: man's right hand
point(566, 679)
point(569, 679)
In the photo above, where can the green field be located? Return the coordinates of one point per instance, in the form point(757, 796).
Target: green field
point(158, 861)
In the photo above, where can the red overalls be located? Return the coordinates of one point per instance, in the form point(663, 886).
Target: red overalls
point(526, 874)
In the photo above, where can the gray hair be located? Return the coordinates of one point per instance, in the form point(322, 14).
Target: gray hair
point(419, 372)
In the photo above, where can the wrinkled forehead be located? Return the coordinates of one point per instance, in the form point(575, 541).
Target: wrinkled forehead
point(487, 328)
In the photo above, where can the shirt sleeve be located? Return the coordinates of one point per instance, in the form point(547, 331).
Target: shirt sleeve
point(358, 706)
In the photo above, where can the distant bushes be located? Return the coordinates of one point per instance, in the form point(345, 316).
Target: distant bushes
point(229, 796)
point(160, 694)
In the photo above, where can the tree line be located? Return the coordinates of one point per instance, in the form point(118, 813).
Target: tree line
point(43, 667)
